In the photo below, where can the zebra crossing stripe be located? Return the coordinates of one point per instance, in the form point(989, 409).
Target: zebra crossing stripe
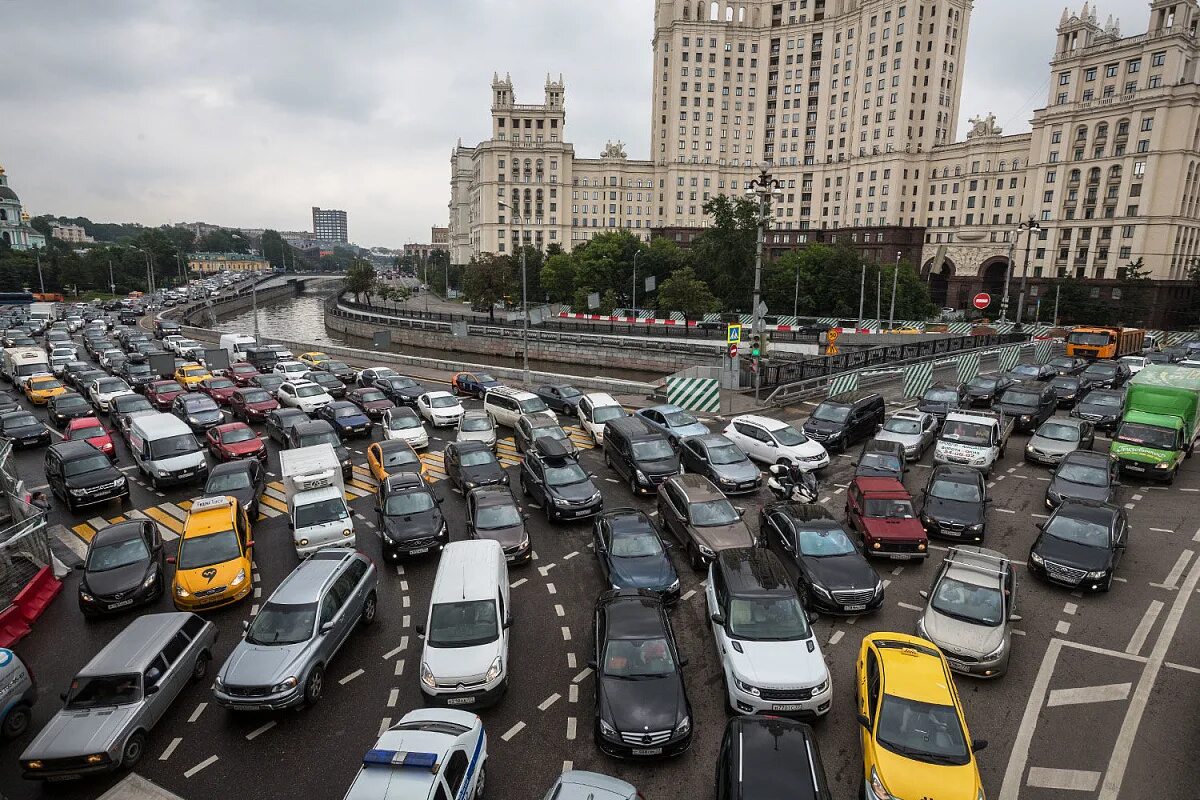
point(968, 367)
point(695, 394)
point(843, 383)
point(918, 378)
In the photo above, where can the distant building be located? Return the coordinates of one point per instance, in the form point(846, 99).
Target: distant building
point(68, 232)
point(330, 225)
point(440, 238)
point(421, 252)
point(206, 263)
point(15, 229)
point(877, 244)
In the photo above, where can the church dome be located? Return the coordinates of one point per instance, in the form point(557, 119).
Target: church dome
point(8, 194)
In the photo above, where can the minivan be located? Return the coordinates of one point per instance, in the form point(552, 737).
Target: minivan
point(165, 450)
point(846, 418)
point(464, 658)
point(596, 410)
point(505, 406)
point(639, 454)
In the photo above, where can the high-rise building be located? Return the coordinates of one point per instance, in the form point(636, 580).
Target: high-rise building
point(329, 225)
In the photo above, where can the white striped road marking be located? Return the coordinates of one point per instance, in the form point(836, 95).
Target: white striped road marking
point(571, 726)
point(571, 661)
point(573, 693)
point(174, 510)
point(399, 569)
point(1070, 608)
point(1089, 694)
point(384, 724)
point(406, 621)
point(351, 676)
point(826, 499)
point(897, 570)
point(1017, 632)
point(1162, 530)
point(688, 594)
point(568, 766)
point(1000, 478)
point(991, 484)
point(399, 668)
point(1129, 506)
point(559, 610)
point(513, 731)
point(404, 586)
point(839, 490)
point(835, 638)
point(546, 568)
point(566, 633)
point(405, 601)
point(1006, 511)
point(1074, 779)
point(570, 555)
point(254, 734)
point(910, 607)
point(208, 762)
point(196, 714)
point(612, 480)
point(521, 582)
point(583, 674)
point(1136, 497)
point(550, 588)
point(1184, 667)
point(393, 697)
point(257, 591)
point(1011, 470)
point(1189, 490)
point(1138, 640)
point(70, 540)
point(1062, 628)
point(395, 650)
point(549, 701)
point(98, 523)
point(1172, 580)
point(170, 748)
point(886, 583)
point(254, 610)
point(1040, 516)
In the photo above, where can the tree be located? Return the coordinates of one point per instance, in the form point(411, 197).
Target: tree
point(685, 292)
point(223, 241)
point(724, 252)
point(486, 281)
point(1133, 307)
point(360, 278)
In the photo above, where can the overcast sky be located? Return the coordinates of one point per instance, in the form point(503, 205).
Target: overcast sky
point(250, 113)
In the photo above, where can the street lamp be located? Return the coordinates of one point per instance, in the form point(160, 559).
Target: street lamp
point(1029, 226)
point(635, 258)
point(524, 295)
point(765, 188)
point(892, 310)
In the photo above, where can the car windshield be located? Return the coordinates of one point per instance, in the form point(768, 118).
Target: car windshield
point(1020, 399)
point(88, 431)
point(653, 450)
point(173, 446)
point(1148, 436)
point(828, 413)
point(347, 411)
point(405, 503)
point(635, 545)
point(1061, 363)
point(325, 437)
point(1026, 369)
point(401, 383)
point(881, 461)
point(1080, 531)
point(1059, 432)
point(556, 433)
point(787, 436)
point(312, 390)
point(474, 424)
point(606, 413)
point(469, 623)
point(227, 482)
point(220, 383)
point(1105, 400)
point(371, 396)
point(712, 513)
point(483, 377)
point(213, 548)
point(117, 554)
point(1090, 339)
point(131, 402)
point(725, 454)
point(235, 435)
point(1083, 474)
point(923, 731)
point(195, 405)
point(322, 512)
point(956, 490)
point(75, 401)
point(400, 422)
point(1101, 370)
point(256, 397)
point(104, 690)
point(941, 396)
point(533, 405)
point(477, 458)
point(565, 474)
point(902, 426)
point(969, 602)
point(568, 391)
point(823, 542)
point(334, 366)
point(767, 618)
point(279, 624)
point(269, 381)
point(982, 384)
point(491, 517)
point(443, 401)
point(638, 658)
point(392, 458)
point(678, 419)
point(889, 509)
point(45, 384)
point(1064, 382)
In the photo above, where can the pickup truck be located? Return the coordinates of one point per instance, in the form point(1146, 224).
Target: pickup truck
point(973, 438)
point(1160, 423)
point(316, 499)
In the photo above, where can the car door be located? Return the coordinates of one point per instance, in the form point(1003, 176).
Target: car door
point(327, 643)
point(928, 432)
point(693, 457)
point(752, 442)
point(455, 772)
point(538, 487)
point(1120, 538)
point(1087, 435)
point(868, 697)
point(781, 537)
point(450, 459)
point(675, 512)
point(854, 508)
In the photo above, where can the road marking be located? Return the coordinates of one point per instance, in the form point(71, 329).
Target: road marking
point(612, 480)
point(399, 668)
point(257, 590)
point(886, 583)
point(571, 661)
point(1006, 511)
point(1129, 506)
point(559, 610)
point(1077, 779)
point(521, 582)
point(573, 693)
point(1062, 628)
point(384, 724)
point(550, 588)
point(196, 714)
point(208, 762)
point(898, 570)
point(991, 484)
point(390, 653)
point(393, 697)
point(1184, 667)
point(1011, 470)
point(566, 633)
point(351, 676)
point(1189, 490)
point(586, 671)
point(570, 555)
point(406, 621)
point(568, 766)
point(405, 601)
point(170, 748)
point(254, 734)
point(1138, 640)
point(513, 731)
point(546, 568)
point(571, 725)
point(910, 607)
point(1172, 579)
point(399, 569)
point(839, 490)
point(549, 701)
point(688, 594)
point(254, 610)
point(1136, 497)
point(1089, 694)
point(1070, 608)
point(835, 638)
point(404, 586)
point(1162, 530)
point(1000, 478)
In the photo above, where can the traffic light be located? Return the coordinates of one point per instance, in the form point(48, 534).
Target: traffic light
point(755, 345)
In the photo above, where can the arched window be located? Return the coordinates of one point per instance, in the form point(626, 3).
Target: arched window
point(741, 13)
point(1102, 130)
point(1074, 178)
point(714, 12)
point(729, 13)
point(687, 10)
point(1094, 175)
point(1003, 165)
point(1114, 172)
point(1016, 163)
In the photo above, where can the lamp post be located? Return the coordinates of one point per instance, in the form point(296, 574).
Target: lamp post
point(635, 258)
point(524, 297)
point(1012, 243)
point(37, 254)
point(892, 310)
point(1029, 226)
point(764, 187)
point(862, 294)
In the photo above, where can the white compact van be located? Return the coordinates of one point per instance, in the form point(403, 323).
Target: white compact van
point(165, 451)
point(597, 409)
point(237, 344)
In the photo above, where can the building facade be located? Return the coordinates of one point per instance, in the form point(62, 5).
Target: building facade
point(439, 237)
point(329, 225)
point(15, 230)
point(67, 232)
point(208, 263)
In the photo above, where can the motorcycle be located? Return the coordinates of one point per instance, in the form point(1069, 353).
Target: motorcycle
point(793, 484)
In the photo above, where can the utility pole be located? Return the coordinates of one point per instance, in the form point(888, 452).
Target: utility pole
point(37, 254)
point(879, 296)
point(1008, 275)
point(862, 294)
point(254, 305)
point(892, 311)
point(524, 297)
point(635, 258)
point(764, 187)
point(796, 296)
point(112, 285)
point(1057, 292)
point(1029, 226)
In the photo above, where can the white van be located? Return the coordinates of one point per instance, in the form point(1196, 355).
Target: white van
point(506, 405)
point(22, 363)
point(237, 344)
point(165, 451)
point(464, 659)
point(595, 410)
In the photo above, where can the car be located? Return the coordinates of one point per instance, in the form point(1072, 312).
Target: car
point(472, 464)
point(880, 510)
point(219, 389)
point(476, 426)
point(440, 409)
point(595, 411)
point(92, 431)
point(198, 411)
point(579, 785)
point(80, 475)
point(126, 408)
point(641, 703)
point(941, 398)
point(676, 423)
point(970, 609)
point(234, 440)
point(339, 369)
point(332, 386)
point(1068, 389)
point(560, 397)
point(409, 517)
point(105, 357)
point(290, 370)
point(1028, 404)
point(700, 517)
point(251, 404)
point(1032, 373)
point(842, 419)
point(306, 434)
point(215, 556)
point(241, 373)
point(1081, 545)
point(769, 757)
point(63, 408)
point(242, 479)
point(771, 441)
point(531, 427)
point(23, 429)
point(493, 513)
point(304, 395)
point(314, 358)
point(189, 376)
point(136, 374)
point(39, 389)
point(400, 389)
point(1107, 374)
point(280, 421)
point(717, 458)
point(826, 567)
point(102, 391)
point(552, 477)
point(914, 431)
point(73, 368)
point(368, 376)
point(268, 382)
point(1056, 438)
point(770, 659)
point(123, 568)
point(1068, 365)
point(403, 423)
point(632, 555)
point(912, 729)
point(372, 401)
point(472, 384)
point(346, 418)
point(9, 403)
point(1083, 475)
point(955, 503)
point(393, 456)
point(983, 390)
point(162, 393)
point(881, 458)
point(1135, 363)
point(281, 660)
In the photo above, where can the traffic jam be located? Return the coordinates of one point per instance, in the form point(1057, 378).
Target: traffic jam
point(678, 586)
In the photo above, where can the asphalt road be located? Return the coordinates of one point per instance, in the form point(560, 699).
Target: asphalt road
point(1101, 694)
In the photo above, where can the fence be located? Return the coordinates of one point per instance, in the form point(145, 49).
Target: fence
point(27, 582)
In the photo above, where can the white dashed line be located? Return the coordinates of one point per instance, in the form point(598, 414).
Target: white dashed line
point(351, 676)
point(1162, 530)
point(550, 588)
point(170, 748)
point(573, 693)
point(1062, 627)
point(384, 724)
point(566, 633)
point(196, 714)
point(1070, 608)
point(688, 594)
point(586, 671)
point(910, 606)
point(254, 734)
point(208, 762)
point(1006, 511)
point(405, 601)
point(393, 697)
point(513, 731)
point(571, 726)
point(549, 701)
point(571, 661)
point(570, 555)
point(836, 637)
point(559, 610)
point(399, 668)
point(546, 568)
point(520, 582)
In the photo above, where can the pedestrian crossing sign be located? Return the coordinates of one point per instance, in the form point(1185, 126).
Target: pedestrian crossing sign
point(733, 334)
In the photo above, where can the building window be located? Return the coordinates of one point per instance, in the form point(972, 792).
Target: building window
point(1158, 59)
point(1090, 74)
point(1064, 78)
point(1135, 66)
point(1110, 70)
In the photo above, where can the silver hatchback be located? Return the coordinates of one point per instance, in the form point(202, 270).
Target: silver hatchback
point(281, 660)
point(1056, 437)
point(915, 430)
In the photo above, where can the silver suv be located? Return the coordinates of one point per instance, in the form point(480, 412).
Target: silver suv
point(281, 660)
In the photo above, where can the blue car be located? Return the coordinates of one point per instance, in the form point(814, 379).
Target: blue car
point(631, 553)
point(346, 418)
point(676, 423)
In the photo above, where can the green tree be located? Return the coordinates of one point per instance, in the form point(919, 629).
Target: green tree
point(558, 278)
point(360, 278)
point(724, 252)
point(684, 291)
point(487, 280)
point(1133, 308)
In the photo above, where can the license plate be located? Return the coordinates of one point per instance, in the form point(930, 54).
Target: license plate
point(187, 473)
point(121, 604)
point(583, 513)
point(898, 556)
point(459, 701)
point(30, 440)
point(954, 663)
point(1135, 468)
point(856, 607)
point(61, 778)
point(418, 551)
point(647, 751)
point(782, 707)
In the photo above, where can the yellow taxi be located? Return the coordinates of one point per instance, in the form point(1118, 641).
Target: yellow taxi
point(212, 566)
point(391, 456)
point(190, 376)
point(314, 358)
point(915, 741)
point(40, 388)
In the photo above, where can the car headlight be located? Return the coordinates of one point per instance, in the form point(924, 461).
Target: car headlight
point(346, 461)
point(684, 725)
point(879, 791)
point(146, 584)
point(641, 476)
point(87, 598)
point(193, 420)
point(237, 579)
point(996, 653)
point(975, 528)
point(1097, 574)
point(79, 491)
point(707, 551)
point(607, 730)
point(822, 687)
point(745, 687)
point(674, 587)
point(594, 497)
point(1162, 465)
point(285, 685)
point(558, 501)
point(821, 590)
point(493, 671)
point(427, 676)
point(921, 631)
point(1035, 558)
point(181, 592)
point(218, 683)
point(1025, 418)
point(1028, 448)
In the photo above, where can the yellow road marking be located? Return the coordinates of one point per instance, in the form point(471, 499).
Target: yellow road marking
point(165, 519)
point(84, 531)
point(271, 502)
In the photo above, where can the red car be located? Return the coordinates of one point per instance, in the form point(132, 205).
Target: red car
point(881, 510)
point(219, 389)
point(372, 401)
point(241, 372)
point(90, 429)
point(163, 393)
point(235, 440)
point(251, 404)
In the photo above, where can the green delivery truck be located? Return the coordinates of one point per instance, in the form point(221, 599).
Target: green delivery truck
point(1159, 426)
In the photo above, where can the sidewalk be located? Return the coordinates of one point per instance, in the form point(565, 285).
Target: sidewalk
point(135, 787)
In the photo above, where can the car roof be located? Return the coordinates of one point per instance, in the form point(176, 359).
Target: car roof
point(137, 645)
point(404, 481)
point(956, 473)
point(769, 423)
point(74, 448)
point(776, 756)
point(753, 570)
point(916, 416)
point(492, 496)
point(801, 512)
point(462, 447)
point(438, 393)
point(1090, 510)
point(209, 515)
point(880, 485)
point(855, 396)
point(632, 614)
point(313, 426)
point(1088, 457)
point(698, 488)
point(465, 570)
point(305, 583)
point(157, 425)
point(883, 446)
point(627, 520)
point(236, 465)
point(912, 668)
point(120, 531)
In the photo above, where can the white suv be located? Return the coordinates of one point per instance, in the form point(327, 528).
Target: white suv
point(774, 442)
point(596, 410)
point(290, 369)
point(304, 395)
point(506, 405)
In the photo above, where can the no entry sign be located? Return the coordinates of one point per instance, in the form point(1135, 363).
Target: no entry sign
point(982, 300)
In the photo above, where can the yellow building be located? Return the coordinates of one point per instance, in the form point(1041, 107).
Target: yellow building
point(208, 263)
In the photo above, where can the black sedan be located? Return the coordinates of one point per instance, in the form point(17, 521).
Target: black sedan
point(940, 399)
point(1032, 373)
point(983, 390)
point(281, 421)
point(332, 386)
point(9, 403)
point(642, 708)
point(24, 429)
point(340, 370)
point(830, 572)
point(472, 464)
point(717, 458)
point(631, 553)
point(492, 513)
point(400, 389)
point(67, 406)
point(1083, 475)
point(1081, 545)
point(82, 476)
point(270, 383)
point(346, 418)
point(1068, 365)
point(409, 517)
point(1069, 389)
point(123, 568)
point(1107, 374)
point(1101, 407)
point(243, 478)
point(560, 397)
point(955, 502)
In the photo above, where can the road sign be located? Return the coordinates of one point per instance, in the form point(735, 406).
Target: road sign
point(982, 300)
point(833, 334)
point(733, 334)
point(733, 350)
point(831, 350)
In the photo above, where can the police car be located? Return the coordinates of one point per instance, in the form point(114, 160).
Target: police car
point(430, 754)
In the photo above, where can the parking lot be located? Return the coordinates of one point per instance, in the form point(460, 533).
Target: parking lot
point(1098, 702)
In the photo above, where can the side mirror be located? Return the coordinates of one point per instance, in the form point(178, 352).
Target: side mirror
point(250, 543)
point(1041, 526)
point(508, 622)
point(811, 615)
point(420, 629)
point(291, 525)
point(987, 501)
point(854, 463)
point(79, 567)
point(326, 627)
point(864, 721)
point(592, 663)
point(741, 512)
point(170, 559)
point(62, 696)
point(152, 689)
point(526, 516)
point(978, 744)
point(683, 661)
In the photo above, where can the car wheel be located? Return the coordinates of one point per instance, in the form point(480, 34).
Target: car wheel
point(1107, 583)
point(135, 748)
point(16, 722)
point(480, 781)
point(200, 668)
point(314, 685)
point(694, 557)
point(369, 609)
point(607, 460)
